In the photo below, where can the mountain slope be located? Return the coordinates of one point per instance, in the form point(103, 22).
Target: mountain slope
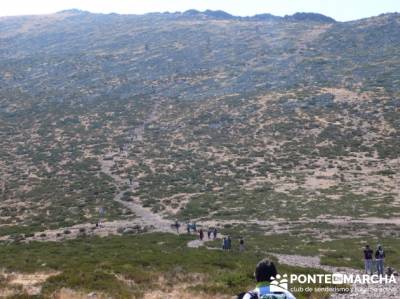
point(279, 119)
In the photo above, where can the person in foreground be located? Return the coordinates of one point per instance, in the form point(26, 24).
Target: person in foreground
point(264, 274)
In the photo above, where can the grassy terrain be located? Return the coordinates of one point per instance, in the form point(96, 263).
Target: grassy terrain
point(97, 263)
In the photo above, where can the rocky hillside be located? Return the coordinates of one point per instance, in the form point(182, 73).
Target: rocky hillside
point(214, 116)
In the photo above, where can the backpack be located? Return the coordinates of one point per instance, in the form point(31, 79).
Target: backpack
point(273, 296)
point(254, 295)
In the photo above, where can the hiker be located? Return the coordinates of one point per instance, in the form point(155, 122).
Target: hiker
point(264, 274)
point(215, 232)
point(209, 233)
point(188, 228)
point(368, 260)
point(177, 226)
point(201, 234)
point(228, 243)
point(241, 244)
point(130, 181)
point(194, 226)
point(224, 243)
point(379, 259)
point(101, 214)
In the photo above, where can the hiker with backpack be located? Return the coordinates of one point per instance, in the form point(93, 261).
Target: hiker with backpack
point(266, 272)
point(379, 259)
point(368, 260)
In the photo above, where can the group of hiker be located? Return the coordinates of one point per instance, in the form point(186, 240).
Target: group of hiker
point(227, 243)
point(212, 234)
point(370, 264)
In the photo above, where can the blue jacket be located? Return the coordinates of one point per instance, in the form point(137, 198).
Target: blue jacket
point(265, 289)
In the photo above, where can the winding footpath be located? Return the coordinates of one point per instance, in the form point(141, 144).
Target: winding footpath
point(144, 216)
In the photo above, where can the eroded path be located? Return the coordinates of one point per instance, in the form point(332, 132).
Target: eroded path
point(144, 216)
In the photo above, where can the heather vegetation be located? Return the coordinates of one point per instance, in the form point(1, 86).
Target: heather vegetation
point(282, 130)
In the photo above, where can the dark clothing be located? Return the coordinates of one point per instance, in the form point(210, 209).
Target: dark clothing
point(177, 226)
point(241, 244)
point(228, 243)
point(379, 254)
point(224, 244)
point(241, 295)
point(368, 254)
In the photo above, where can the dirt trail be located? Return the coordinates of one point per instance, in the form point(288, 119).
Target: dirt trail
point(145, 217)
point(196, 243)
point(200, 243)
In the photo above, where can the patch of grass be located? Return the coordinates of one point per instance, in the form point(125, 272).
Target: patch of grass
point(94, 264)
